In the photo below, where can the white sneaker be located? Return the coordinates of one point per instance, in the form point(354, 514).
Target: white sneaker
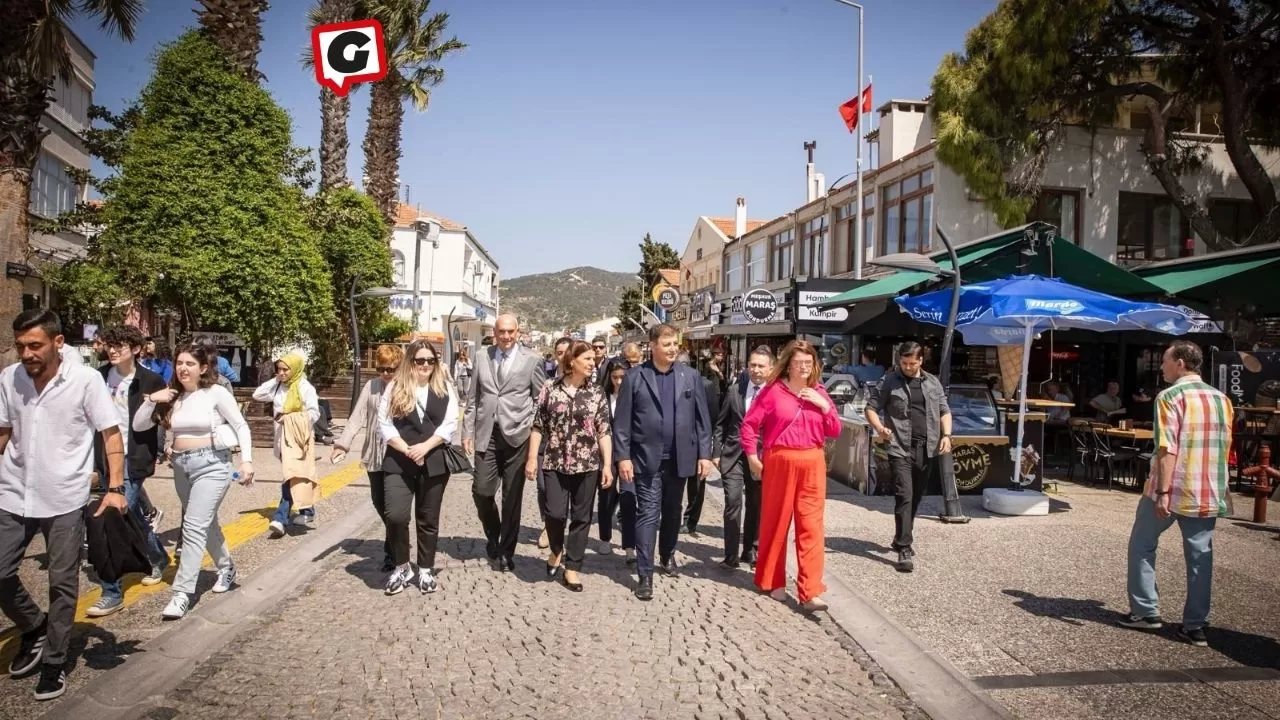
point(104, 607)
point(177, 607)
point(226, 579)
point(299, 520)
point(276, 529)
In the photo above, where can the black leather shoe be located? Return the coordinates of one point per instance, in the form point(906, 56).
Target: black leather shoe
point(731, 564)
point(553, 570)
point(644, 589)
point(668, 566)
point(905, 563)
point(509, 564)
point(496, 563)
point(749, 557)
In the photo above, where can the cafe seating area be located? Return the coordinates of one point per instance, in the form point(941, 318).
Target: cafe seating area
point(1118, 454)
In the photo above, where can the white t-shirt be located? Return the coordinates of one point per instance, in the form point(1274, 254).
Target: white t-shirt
point(197, 414)
point(45, 469)
point(119, 389)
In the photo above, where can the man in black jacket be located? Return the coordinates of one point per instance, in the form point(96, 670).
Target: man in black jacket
point(129, 382)
point(739, 482)
point(696, 488)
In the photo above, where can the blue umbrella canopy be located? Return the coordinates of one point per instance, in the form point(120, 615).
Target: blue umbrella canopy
point(1012, 310)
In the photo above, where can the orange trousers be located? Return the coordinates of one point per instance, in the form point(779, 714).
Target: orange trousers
point(794, 484)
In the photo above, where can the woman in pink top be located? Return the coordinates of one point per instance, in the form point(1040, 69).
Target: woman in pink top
point(792, 418)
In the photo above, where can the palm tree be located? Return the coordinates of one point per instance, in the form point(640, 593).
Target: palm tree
point(235, 26)
point(414, 51)
point(334, 108)
point(33, 53)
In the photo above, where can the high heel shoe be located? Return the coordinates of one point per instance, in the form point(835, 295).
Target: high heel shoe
point(573, 586)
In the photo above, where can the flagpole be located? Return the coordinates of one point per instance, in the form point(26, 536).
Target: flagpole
point(859, 247)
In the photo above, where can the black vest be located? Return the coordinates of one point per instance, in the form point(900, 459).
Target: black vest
point(414, 430)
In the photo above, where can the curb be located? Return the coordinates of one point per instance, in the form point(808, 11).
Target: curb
point(139, 684)
point(927, 679)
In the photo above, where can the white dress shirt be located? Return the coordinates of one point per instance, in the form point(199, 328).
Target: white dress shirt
point(752, 392)
point(45, 469)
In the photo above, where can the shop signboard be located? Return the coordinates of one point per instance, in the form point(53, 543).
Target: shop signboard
point(759, 306)
point(1248, 377)
point(700, 306)
point(666, 297)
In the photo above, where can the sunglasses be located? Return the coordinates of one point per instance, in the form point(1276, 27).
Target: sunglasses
point(424, 361)
point(385, 370)
point(597, 347)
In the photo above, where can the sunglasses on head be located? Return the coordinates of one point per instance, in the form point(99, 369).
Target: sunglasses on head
point(386, 369)
point(424, 361)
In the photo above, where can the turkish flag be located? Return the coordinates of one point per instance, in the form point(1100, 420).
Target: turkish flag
point(849, 110)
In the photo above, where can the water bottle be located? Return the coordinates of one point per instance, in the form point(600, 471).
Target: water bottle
point(235, 476)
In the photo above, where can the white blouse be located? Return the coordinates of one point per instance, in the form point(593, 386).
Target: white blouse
point(448, 427)
point(197, 414)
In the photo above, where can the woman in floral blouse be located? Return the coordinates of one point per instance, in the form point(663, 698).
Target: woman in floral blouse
point(572, 417)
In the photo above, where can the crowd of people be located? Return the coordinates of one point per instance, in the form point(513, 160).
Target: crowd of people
point(628, 440)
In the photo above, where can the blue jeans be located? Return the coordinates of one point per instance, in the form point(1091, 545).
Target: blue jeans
point(286, 506)
point(658, 499)
point(1197, 548)
point(201, 478)
point(132, 489)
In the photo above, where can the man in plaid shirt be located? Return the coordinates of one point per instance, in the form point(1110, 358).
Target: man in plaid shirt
point(1187, 485)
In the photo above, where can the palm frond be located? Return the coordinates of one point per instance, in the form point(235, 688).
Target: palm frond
point(118, 17)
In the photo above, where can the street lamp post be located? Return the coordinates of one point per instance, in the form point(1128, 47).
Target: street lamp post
point(428, 230)
point(378, 292)
point(951, 510)
point(858, 246)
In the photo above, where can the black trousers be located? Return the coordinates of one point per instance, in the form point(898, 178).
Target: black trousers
point(63, 535)
point(658, 497)
point(741, 488)
point(624, 504)
point(542, 486)
point(911, 477)
point(425, 494)
point(570, 497)
point(501, 466)
point(378, 493)
point(695, 492)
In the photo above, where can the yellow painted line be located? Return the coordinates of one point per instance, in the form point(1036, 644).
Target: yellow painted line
point(252, 524)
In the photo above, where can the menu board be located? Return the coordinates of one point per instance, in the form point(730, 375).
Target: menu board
point(1248, 377)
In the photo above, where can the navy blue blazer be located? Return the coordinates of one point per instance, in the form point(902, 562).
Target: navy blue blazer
point(637, 433)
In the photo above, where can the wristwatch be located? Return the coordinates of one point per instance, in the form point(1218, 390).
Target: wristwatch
point(119, 489)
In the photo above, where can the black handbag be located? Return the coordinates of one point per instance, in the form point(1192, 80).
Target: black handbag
point(457, 461)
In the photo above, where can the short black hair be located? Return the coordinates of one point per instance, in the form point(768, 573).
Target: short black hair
point(910, 348)
point(764, 351)
point(566, 340)
point(123, 335)
point(1189, 353)
point(42, 318)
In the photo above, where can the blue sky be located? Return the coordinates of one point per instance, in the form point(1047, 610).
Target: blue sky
point(570, 128)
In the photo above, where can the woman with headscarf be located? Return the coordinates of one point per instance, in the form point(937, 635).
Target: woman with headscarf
point(295, 408)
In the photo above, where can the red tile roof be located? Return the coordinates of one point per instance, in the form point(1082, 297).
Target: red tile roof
point(727, 225)
point(408, 214)
point(670, 277)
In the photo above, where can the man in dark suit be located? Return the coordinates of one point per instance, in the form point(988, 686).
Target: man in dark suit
point(696, 487)
point(740, 534)
point(662, 436)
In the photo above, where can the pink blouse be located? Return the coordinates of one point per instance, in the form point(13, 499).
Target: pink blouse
point(787, 421)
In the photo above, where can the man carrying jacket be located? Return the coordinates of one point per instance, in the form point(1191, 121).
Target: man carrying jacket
point(909, 411)
point(129, 383)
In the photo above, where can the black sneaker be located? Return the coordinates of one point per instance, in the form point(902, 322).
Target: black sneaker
point(905, 562)
point(1142, 623)
point(668, 566)
point(30, 651)
point(644, 589)
point(53, 682)
point(1195, 637)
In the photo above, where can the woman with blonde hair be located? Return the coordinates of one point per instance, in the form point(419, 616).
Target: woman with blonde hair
point(462, 370)
point(295, 407)
point(364, 416)
point(795, 416)
point(417, 418)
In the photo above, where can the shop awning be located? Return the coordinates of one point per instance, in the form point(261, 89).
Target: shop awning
point(1246, 275)
point(998, 256)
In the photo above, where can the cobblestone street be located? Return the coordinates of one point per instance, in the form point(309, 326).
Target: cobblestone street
point(492, 645)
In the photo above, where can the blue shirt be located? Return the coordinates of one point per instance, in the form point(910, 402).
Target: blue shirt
point(667, 399)
point(163, 368)
point(226, 371)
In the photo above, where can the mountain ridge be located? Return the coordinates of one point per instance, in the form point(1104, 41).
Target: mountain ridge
point(565, 299)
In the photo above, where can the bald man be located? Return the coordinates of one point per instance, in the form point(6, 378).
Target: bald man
point(496, 425)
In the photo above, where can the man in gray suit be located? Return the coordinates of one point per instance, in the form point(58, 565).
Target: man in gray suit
point(499, 415)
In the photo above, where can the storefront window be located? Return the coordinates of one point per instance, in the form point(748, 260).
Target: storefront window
point(782, 244)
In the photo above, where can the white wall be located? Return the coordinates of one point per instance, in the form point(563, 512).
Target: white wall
point(455, 286)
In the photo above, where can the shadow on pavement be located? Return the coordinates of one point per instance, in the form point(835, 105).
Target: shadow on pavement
point(861, 548)
point(98, 648)
point(1069, 610)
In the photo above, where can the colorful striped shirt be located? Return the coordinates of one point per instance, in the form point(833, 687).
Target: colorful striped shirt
point(1193, 424)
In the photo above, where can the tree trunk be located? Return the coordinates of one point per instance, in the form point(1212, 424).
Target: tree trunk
point(235, 26)
point(334, 143)
point(382, 144)
point(1155, 148)
point(1234, 119)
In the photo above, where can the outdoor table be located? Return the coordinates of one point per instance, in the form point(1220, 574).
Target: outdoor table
point(1134, 434)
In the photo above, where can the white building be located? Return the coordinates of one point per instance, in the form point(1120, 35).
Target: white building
point(605, 327)
point(53, 190)
point(457, 279)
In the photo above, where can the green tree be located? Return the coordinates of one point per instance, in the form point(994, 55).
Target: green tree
point(654, 257)
point(33, 52)
point(203, 217)
point(629, 309)
point(352, 239)
point(1031, 68)
point(415, 49)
